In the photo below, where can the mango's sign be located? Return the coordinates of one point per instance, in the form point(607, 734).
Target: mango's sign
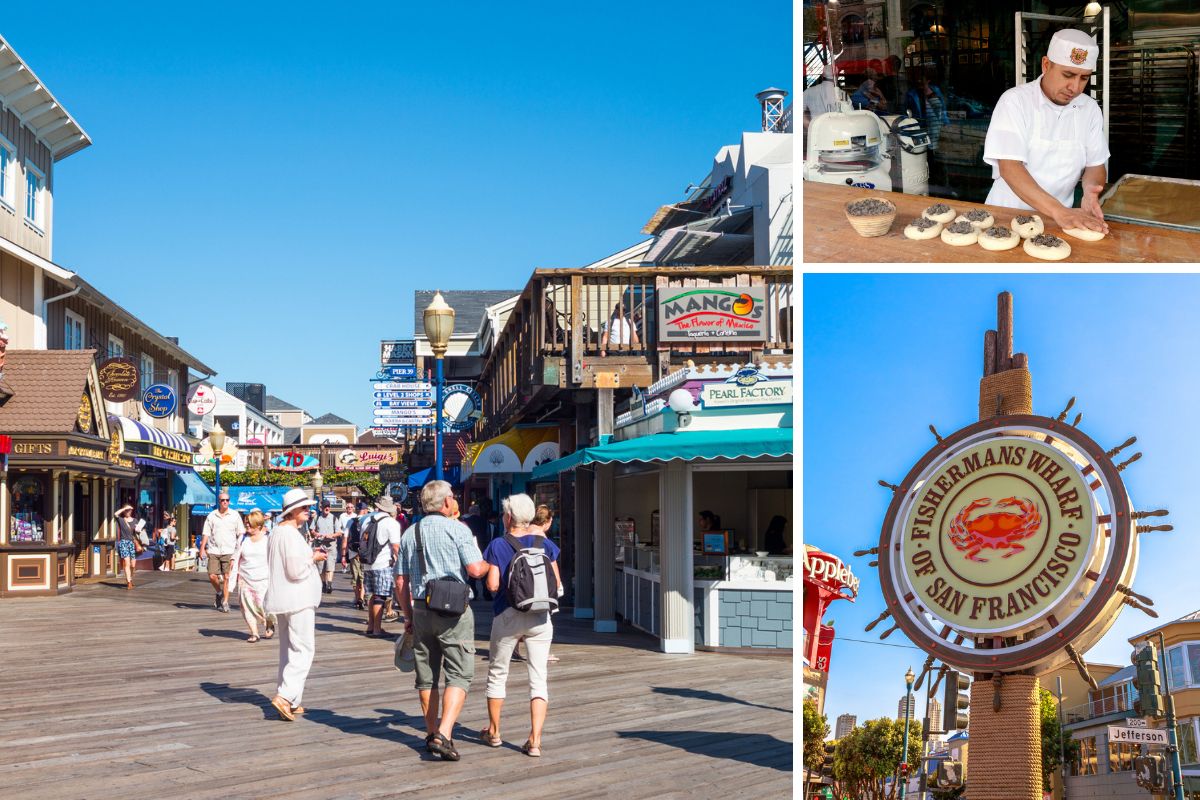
point(713, 314)
point(999, 534)
point(1006, 543)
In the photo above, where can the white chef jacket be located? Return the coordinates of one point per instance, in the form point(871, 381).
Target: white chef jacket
point(1055, 142)
point(821, 99)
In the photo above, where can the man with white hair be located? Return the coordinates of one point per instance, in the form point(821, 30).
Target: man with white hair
point(1048, 135)
point(439, 547)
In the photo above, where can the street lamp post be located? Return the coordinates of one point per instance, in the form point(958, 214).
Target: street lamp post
point(439, 326)
point(908, 683)
point(216, 440)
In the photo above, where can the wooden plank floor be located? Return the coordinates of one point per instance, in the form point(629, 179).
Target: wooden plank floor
point(107, 694)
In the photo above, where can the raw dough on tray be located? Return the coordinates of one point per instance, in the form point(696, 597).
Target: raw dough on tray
point(1047, 247)
point(960, 234)
point(922, 228)
point(1086, 234)
point(1028, 225)
point(977, 217)
point(998, 237)
point(939, 212)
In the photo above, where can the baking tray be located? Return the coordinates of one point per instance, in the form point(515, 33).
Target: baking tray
point(1175, 198)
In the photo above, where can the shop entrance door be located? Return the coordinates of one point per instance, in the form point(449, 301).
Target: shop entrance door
point(81, 523)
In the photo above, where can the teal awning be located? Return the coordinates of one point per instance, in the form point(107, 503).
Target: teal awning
point(680, 445)
point(191, 490)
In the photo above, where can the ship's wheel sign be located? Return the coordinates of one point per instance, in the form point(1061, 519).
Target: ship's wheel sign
point(1009, 540)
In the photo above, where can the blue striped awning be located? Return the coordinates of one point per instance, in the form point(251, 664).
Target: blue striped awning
point(134, 431)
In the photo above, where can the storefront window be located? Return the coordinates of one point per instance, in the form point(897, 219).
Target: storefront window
point(1176, 668)
point(1087, 756)
point(29, 509)
point(1186, 731)
point(1121, 755)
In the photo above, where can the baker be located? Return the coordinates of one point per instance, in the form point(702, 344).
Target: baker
point(1046, 136)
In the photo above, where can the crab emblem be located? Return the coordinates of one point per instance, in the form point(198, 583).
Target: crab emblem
point(999, 530)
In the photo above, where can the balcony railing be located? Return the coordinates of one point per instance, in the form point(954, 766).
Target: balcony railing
point(571, 324)
point(1100, 707)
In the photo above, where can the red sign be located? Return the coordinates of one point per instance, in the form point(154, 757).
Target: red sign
point(824, 648)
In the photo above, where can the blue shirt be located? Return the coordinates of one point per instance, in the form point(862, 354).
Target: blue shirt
point(500, 553)
point(449, 546)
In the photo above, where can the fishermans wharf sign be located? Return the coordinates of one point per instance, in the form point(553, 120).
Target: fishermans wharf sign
point(1006, 543)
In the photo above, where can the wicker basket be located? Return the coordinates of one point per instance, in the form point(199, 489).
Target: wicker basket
point(872, 226)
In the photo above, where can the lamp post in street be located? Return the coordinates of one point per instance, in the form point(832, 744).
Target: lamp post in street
point(216, 440)
point(439, 326)
point(908, 683)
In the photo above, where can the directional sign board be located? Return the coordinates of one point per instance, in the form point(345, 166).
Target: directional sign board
point(402, 386)
point(1117, 733)
point(403, 404)
point(403, 395)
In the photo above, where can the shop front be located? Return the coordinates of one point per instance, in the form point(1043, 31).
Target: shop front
point(58, 490)
point(691, 534)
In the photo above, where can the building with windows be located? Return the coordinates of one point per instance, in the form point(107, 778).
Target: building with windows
point(845, 724)
point(241, 421)
point(288, 417)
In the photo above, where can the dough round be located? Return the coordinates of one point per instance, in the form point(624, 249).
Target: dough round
point(960, 234)
point(939, 212)
point(998, 237)
point(977, 217)
point(1086, 234)
point(1047, 247)
point(922, 228)
point(1028, 225)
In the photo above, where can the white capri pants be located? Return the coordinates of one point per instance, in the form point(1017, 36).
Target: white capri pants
point(297, 646)
point(507, 630)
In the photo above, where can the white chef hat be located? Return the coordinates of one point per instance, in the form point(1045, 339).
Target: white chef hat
point(1073, 48)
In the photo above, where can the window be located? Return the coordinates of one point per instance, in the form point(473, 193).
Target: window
point(73, 331)
point(8, 181)
point(115, 347)
point(1186, 730)
point(35, 186)
point(1175, 668)
point(1193, 659)
point(1086, 765)
point(147, 369)
point(1121, 755)
point(173, 382)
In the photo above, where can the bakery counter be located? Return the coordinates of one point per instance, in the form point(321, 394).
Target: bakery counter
point(828, 236)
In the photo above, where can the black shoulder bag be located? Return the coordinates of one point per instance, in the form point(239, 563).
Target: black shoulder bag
point(445, 596)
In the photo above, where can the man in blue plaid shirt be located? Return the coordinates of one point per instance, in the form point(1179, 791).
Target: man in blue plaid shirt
point(442, 645)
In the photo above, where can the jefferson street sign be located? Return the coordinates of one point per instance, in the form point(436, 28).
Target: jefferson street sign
point(1117, 733)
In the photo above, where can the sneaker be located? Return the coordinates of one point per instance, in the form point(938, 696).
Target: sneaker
point(359, 605)
point(224, 608)
point(217, 601)
point(392, 617)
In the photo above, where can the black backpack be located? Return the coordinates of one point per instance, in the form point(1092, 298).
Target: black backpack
point(353, 535)
point(529, 581)
point(369, 547)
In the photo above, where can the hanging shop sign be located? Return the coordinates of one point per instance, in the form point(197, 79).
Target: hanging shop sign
point(398, 491)
point(202, 401)
point(159, 400)
point(461, 407)
point(119, 379)
point(829, 573)
point(747, 387)
point(292, 461)
point(366, 460)
point(397, 372)
point(84, 417)
point(713, 314)
point(1006, 542)
point(403, 386)
point(391, 473)
point(397, 351)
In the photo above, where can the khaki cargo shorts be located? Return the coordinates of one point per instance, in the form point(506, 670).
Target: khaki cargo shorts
point(443, 646)
point(219, 565)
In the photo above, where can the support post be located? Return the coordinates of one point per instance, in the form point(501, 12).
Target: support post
point(1172, 735)
point(437, 464)
point(678, 634)
point(604, 550)
point(584, 543)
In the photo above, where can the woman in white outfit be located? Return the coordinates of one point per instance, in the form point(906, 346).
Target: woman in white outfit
point(248, 574)
point(293, 594)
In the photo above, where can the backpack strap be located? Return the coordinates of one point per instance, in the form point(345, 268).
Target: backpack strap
point(514, 542)
point(420, 549)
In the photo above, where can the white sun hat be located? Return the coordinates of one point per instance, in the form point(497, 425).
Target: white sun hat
point(295, 498)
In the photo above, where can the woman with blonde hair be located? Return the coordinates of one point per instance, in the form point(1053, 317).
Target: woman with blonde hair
point(249, 567)
point(293, 594)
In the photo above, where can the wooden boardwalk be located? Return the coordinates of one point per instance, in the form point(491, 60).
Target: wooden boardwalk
point(106, 694)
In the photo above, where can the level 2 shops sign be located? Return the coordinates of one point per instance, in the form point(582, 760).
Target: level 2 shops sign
point(713, 314)
point(747, 387)
point(159, 400)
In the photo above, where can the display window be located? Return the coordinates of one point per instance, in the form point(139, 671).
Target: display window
point(28, 522)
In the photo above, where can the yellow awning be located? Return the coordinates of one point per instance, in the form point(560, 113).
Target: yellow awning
point(515, 450)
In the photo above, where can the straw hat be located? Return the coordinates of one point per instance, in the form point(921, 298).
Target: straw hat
point(295, 498)
point(386, 503)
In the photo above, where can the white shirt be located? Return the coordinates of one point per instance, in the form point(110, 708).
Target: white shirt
point(293, 581)
point(619, 331)
point(344, 521)
point(223, 531)
point(387, 533)
point(821, 99)
point(1024, 111)
point(250, 562)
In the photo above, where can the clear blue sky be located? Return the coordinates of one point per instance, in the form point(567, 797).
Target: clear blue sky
point(885, 356)
point(270, 182)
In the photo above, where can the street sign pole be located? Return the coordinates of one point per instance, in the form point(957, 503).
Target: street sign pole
point(1172, 739)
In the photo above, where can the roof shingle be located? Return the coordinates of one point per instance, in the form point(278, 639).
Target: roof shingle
point(48, 386)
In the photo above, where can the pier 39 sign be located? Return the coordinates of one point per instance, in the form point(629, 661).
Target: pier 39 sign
point(1005, 544)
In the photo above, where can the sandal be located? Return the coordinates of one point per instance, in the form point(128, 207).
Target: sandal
point(284, 708)
point(486, 737)
point(270, 632)
point(443, 747)
point(298, 710)
point(531, 751)
point(252, 639)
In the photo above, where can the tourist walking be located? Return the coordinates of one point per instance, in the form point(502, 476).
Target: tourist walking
point(511, 625)
point(293, 594)
point(169, 537)
point(379, 541)
point(128, 545)
point(222, 528)
point(543, 520)
point(326, 534)
point(248, 574)
point(350, 553)
point(435, 554)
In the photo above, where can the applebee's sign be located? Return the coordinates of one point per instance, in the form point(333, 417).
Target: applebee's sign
point(829, 571)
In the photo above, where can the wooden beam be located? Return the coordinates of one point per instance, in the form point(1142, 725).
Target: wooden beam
point(22, 93)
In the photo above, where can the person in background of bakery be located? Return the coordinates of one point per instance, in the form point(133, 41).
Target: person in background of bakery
point(1048, 135)
point(821, 97)
point(773, 541)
